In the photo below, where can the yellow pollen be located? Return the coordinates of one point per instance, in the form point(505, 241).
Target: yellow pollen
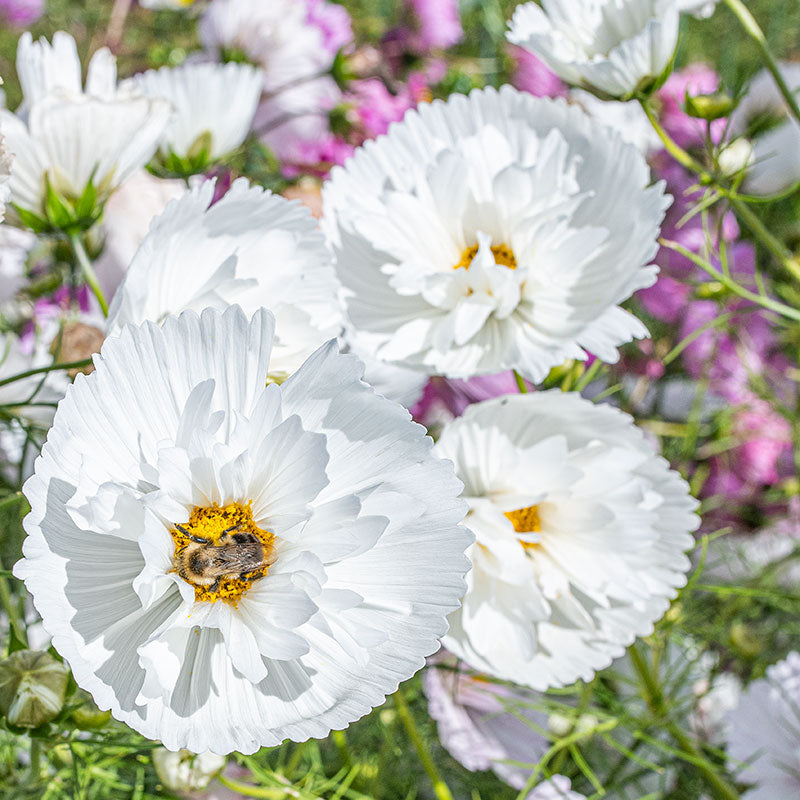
point(503, 255)
point(210, 523)
point(525, 520)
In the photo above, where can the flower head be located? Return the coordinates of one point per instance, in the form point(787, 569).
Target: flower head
point(226, 563)
point(213, 108)
point(494, 231)
point(581, 532)
point(764, 733)
point(252, 248)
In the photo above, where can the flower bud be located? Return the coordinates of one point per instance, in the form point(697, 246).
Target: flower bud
point(183, 771)
point(32, 688)
point(709, 106)
point(87, 716)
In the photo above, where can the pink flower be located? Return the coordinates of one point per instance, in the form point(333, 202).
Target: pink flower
point(532, 75)
point(696, 79)
point(438, 24)
point(449, 398)
point(377, 107)
point(766, 438)
point(20, 13)
point(334, 22)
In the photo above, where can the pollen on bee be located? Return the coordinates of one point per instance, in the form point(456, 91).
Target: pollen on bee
point(205, 531)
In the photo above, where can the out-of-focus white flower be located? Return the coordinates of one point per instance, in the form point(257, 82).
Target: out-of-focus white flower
point(581, 536)
point(15, 245)
point(213, 108)
point(227, 563)
point(616, 47)
point(764, 733)
point(126, 220)
point(764, 115)
point(558, 787)
point(279, 37)
point(737, 157)
point(183, 771)
point(251, 248)
point(494, 231)
point(5, 173)
point(82, 143)
point(480, 725)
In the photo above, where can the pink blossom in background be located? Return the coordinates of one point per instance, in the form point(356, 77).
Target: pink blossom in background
point(696, 79)
point(766, 441)
point(376, 106)
point(334, 22)
point(532, 75)
point(438, 24)
point(20, 13)
point(451, 397)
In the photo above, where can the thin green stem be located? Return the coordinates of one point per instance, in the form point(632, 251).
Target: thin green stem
point(8, 605)
point(747, 215)
point(654, 697)
point(247, 790)
point(753, 30)
point(729, 283)
point(440, 788)
point(84, 362)
point(521, 385)
point(87, 270)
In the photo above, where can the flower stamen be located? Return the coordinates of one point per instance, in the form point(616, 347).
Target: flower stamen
point(503, 256)
point(525, 520)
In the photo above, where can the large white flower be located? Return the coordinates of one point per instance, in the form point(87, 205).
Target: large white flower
point(764, 733)
point(494, 231)
point(614, 46)
point(581, 531)
point(252, 248)
point(213, 105)
point(226, 563)
point(72, 138)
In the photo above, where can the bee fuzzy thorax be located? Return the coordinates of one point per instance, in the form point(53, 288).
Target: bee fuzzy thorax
point(220, 551)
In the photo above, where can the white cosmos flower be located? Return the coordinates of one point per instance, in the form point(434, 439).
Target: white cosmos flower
point(5, 172)
point(494, 231)
point(72, 137)
point(614, 46)
point(581, 531)
point(764, 733)
point(252, 248)
point(176, 434)
point(212, 99)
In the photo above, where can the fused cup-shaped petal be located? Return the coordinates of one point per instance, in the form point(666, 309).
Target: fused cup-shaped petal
point(491, 232)
point(252, 248)
point(763, 733)
point(581, 536)
point(226, 563)
point(215, 101)
point(32, 688)
point(75, 141)
point(613, 46)
point(183, 771)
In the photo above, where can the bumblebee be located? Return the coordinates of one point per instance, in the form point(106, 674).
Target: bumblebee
point(238, 555)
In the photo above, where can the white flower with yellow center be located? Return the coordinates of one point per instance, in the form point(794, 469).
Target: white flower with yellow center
point(581, 531)
point(213, 106)
point(82, 142)
point(615, 46)
point(494, 231)
point(252, 248)
point(764, 733)
point(226, 563)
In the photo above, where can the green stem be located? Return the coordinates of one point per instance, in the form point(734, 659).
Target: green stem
point(521, 385)
point(84, 362)
point(753, 29)
point(89, 274)
point(247, 790)
point(8, 605)
point(654, 697)
point(729, 283)
point(440, 788)
point(36, 760)
point(749, 217)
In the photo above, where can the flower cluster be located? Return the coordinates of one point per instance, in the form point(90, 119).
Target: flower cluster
point(338, 349)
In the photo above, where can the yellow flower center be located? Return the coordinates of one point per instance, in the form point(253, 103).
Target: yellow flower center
point(220, 551)
point(503, 255)
point(525, 520)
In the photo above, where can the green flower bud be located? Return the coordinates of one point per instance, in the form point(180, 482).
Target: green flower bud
point(709, 106)
point(87, 716)
point(183, 771)
point(32, 688)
